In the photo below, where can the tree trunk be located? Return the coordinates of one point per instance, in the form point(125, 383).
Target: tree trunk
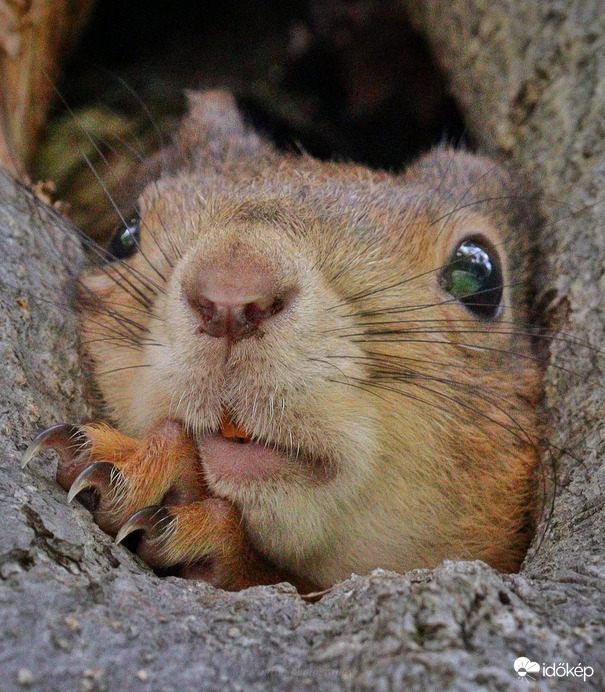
point(81, 613)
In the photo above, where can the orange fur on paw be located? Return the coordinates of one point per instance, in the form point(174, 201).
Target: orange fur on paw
point(207, 541)
point(127, 474)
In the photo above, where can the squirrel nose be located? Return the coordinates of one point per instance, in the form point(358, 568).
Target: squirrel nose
point(234, 302)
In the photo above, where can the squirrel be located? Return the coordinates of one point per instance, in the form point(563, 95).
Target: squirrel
point(312, 368)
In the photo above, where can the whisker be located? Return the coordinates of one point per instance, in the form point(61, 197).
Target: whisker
point(502, 351)
point(160, 135)
point(484, 200)
point(375, 290)
point(453, 400)
point(477, 391)
point(130, 336)
point(125, 223)
point(111, 341)
point(486, 332)
point(100, 181)
point(126, 367)
point(173, 246)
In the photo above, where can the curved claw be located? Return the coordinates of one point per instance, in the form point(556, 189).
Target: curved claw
point(149, 519)
point(97, 476)
point(64, 438)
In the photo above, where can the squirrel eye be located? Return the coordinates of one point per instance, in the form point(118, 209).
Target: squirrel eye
point(125, 241)
point(474, 277)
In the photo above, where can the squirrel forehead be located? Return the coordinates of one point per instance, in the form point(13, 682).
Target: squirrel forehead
point(387, 213)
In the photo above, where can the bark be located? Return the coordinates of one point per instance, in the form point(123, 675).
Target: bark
point(35, 38)
point(81, 613)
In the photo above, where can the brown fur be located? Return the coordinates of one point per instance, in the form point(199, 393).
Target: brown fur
point(438, 464)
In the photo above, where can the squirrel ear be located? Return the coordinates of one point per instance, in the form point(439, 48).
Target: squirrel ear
point(214, 131)
point(214, 114)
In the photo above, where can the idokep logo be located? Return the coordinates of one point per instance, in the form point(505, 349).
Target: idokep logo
point(526, 668)
point(530, 670)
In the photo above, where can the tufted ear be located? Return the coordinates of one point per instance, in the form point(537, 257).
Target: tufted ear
point(214, 113)
point(214, 132)
point(463, 176)
point(211, 138)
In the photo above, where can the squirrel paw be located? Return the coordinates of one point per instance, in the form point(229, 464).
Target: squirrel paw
point(115, 475)
point(204, 540)
point(154, 487)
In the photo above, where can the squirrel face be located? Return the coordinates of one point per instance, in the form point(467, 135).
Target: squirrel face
point(363, 334)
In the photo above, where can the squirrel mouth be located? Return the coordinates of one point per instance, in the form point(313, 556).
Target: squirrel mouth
point(231, 455)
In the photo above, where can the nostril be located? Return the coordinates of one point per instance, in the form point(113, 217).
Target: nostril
point(204, 307)
point(278, 305)
point(254, 313)
point(211, 319)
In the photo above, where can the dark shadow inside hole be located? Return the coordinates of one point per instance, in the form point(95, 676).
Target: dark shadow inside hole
point(338, 79)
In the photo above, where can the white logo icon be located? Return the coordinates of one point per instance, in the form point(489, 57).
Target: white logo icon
point(524, 667)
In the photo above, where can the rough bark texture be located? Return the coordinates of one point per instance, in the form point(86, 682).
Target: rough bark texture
point(78, 612)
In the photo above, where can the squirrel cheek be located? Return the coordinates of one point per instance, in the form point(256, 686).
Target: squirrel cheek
point(102, 284)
